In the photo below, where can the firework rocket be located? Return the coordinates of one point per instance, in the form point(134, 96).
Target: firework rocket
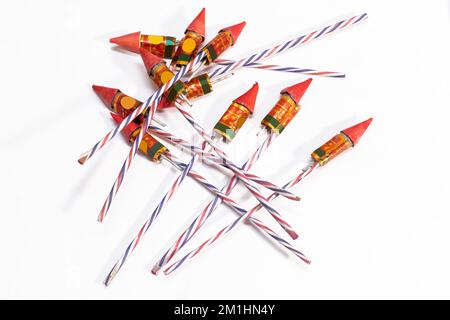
point(193, 38)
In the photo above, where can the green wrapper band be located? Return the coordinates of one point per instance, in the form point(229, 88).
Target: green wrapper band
point(175, 90)
point(224, 130)
point(206, 86)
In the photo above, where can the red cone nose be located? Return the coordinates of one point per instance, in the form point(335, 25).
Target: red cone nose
point(130, 42)
point(297, 90)
point(150, 60)
point(129, 129)
point(198, 24)
point(235, 30)
point(106, 94)
point(355, 132)
point(248, 99)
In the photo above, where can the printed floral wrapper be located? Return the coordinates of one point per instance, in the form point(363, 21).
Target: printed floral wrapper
point(281, 114)
point(330, 149)
point(187, 48)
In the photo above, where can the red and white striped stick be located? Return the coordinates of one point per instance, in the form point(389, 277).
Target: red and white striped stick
point(274, 67)
point(352, 136)
point(152, 102)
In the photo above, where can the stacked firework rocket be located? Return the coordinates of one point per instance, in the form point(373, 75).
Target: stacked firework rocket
point(185, 70)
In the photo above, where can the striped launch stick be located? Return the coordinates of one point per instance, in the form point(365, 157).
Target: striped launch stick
point(209, 209)
point(305, 172)
point(273, 67)
point(246, 177)
point(153, 103)
point(130, 248)
point(183, 144)
point(243, 176)
point(293, 43)
point(186, 170)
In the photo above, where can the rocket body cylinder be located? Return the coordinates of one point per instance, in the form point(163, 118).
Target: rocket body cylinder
point(330, 149)
point(281, 114)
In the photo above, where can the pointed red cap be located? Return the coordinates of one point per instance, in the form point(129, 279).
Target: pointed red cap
point(235, 30)
point(355, 132)
point(106, 94)
point(198, 24)
point(150, 60)
point(248, 99)
point(297, 90)
point(129, 129)
point(130, 42)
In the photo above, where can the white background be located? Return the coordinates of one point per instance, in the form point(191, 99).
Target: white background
point(375, 221)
